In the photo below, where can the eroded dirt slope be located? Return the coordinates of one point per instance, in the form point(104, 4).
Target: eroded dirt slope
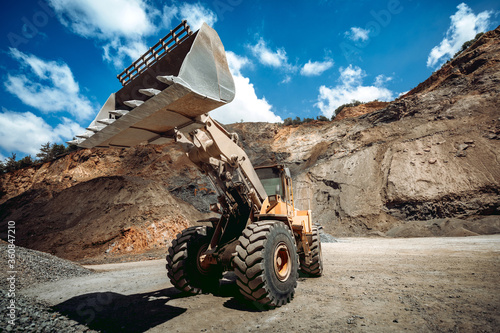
point(104, 202)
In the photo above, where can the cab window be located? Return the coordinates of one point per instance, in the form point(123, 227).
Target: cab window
point(271, 180)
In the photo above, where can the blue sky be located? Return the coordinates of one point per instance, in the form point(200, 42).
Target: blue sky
point(59, 58)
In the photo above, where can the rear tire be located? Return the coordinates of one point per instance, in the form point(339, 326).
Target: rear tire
point(183, 262)
point(315, 267)
point(266, 264)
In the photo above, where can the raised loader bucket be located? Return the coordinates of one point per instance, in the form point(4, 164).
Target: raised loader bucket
point(182, 77)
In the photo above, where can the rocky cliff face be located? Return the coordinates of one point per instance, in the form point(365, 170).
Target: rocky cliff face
point(358, 177)
point(431, 154)
point(359, 110)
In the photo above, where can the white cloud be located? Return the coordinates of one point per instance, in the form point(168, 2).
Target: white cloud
point(105, 19)
point(351, 88)
point(195, 14)
point(170, 15)
point(266, 56)
point(119, 25)
point(118, 51)
point(236, 62)
point(246, 105)
point(286, 79)
point(381, 79)
point(357, 33)
point(351, 76)
point(26, 132)
point(316, 68)
point(464, 26)
point(48, 86)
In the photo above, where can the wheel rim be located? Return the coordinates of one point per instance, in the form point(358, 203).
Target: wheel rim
point(282, 262)
point(203, 266)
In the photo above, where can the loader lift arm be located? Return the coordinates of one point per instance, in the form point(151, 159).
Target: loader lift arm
point(217, 154)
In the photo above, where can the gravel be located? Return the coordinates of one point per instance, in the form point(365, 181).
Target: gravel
point(35, 316)
point(324, 237)
point(39, 267)
point(33, 267)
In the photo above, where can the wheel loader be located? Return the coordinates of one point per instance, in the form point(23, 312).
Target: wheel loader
point(260, 234)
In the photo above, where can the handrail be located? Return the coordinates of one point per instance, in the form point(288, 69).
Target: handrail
point(155, 53)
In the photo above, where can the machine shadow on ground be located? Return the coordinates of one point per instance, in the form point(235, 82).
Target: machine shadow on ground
point(113, 312)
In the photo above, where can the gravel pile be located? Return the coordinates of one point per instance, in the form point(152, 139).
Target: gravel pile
point(30, 315)
point(39, 267)
point(324, 237)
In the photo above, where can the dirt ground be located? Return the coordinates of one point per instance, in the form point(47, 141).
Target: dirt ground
point(369, 285)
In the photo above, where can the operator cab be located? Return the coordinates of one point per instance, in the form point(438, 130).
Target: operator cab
point(275, 179)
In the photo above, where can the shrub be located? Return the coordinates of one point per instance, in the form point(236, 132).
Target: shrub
point(296, 121)
point(48, 152)
point(11, 163)
point(26, 161)
point(467, 44)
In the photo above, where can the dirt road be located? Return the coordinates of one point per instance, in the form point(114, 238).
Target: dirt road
point(369, 285)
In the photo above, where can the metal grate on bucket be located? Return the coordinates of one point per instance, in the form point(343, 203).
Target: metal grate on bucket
point(155, 53)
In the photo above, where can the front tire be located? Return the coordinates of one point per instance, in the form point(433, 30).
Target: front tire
point(266, 264)
point(314, 268)
point(184, 267)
